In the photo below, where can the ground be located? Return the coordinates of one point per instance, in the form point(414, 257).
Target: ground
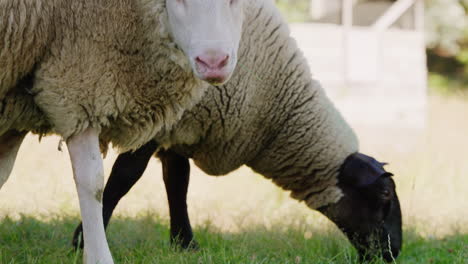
point(243, 218)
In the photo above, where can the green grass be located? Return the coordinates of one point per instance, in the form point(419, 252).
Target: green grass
point(454, 85)
point(144, 239)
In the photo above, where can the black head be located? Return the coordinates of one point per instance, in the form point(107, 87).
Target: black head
point(369, 212)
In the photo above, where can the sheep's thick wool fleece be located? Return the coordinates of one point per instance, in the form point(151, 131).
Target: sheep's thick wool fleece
point(106, 64)
point(271, 116)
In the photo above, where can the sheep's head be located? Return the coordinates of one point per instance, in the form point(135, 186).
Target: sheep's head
point(369, 212)
point(208, 31)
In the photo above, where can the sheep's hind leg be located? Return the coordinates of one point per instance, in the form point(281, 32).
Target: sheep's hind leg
point(126, 171)
point(10, 143)
point(176, 174)
point(89, 179)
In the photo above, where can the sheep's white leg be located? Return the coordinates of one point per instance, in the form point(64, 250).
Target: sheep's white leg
point(10, 143)
point(89, 179)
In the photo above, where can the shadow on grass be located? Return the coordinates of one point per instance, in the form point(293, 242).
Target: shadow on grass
point(146, 240)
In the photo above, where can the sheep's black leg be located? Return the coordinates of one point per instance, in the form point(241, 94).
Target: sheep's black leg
point(126, 171)
point(176, 174)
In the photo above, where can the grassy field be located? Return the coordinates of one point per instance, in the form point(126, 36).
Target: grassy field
point(243, 218)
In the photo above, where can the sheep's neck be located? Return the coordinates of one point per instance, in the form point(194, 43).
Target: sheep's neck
point(306, 153)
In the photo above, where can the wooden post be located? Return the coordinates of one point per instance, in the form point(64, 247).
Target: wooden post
point(315, 9)
point(419, 27)
point(419, 15)
point(347, 13)
point(347, 20)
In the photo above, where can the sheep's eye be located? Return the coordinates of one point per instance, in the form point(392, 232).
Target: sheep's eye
point(386, 195)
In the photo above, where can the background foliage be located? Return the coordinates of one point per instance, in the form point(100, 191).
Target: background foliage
point(447, 44)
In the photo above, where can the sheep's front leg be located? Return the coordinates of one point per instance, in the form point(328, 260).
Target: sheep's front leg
point(89, 179)
point(176, 175)
point(127, 170)
point(10, 143)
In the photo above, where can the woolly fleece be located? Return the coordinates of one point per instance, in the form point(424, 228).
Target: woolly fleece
point(106, 64)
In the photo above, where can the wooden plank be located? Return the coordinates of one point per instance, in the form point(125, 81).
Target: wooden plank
point(419, 15)
point(362, 62)
point(392, 14)
point(347, 13)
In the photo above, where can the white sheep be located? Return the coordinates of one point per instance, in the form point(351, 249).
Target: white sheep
point(273, 117)
point(100, 71)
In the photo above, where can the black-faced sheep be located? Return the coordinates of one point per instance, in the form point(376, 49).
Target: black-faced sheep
point(273, 117)
point(103, 71)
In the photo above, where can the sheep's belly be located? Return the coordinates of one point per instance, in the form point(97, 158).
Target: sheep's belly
point(209, 160)
point(215, 168)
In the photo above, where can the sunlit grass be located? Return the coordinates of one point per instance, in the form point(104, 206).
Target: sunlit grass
point(144, 239)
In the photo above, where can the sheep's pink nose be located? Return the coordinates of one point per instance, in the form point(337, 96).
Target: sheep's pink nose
point(212, 61)
point(211, 67)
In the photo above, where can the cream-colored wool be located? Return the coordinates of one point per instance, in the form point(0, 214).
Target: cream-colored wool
point(271, 116)
point(18, 111)
point(106, 64)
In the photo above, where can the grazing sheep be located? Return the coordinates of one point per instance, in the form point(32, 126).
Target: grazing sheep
point(273, 117)
point(101, 71)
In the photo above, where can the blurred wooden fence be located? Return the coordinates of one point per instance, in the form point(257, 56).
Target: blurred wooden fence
point(376, 73)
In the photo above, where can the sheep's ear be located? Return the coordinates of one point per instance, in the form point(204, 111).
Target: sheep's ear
point(360, 170)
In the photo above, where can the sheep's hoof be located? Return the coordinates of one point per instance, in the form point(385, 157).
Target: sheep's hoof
point(185, 244)
point(192, 246)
